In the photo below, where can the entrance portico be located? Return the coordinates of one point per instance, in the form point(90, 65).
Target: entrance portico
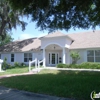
point(55, 48)
point(54, 54)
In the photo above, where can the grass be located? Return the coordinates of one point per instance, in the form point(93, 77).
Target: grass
point(16, 70)
point(70, 84)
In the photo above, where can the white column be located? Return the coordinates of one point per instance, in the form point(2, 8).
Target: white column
point(30, 65)
point(63, 55)
point(44, 57)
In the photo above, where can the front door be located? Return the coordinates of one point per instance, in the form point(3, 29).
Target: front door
point(53, 59)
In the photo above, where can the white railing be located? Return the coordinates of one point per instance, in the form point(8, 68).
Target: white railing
point(30, 62)
point(1, 61)
point(39, 65)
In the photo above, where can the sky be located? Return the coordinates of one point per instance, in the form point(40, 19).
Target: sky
point(31, 31)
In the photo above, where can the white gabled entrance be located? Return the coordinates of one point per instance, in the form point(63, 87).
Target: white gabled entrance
point(53, 54)
point(53, 58)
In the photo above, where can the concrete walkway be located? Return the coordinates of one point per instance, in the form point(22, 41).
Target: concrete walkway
point(13, 94)
point(73, 69)
point(5, 76)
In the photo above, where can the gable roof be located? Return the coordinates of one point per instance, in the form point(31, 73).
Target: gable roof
point(81, 40)
point(85, 40)
point(54, 34)
point(22, 45)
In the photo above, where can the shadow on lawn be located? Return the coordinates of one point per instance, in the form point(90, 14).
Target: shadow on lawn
point(70, 84)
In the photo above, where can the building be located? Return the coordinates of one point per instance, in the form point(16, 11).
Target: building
point(54, 48)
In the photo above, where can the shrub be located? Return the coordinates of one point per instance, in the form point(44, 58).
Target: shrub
point(74, 66)
point(61, 65)
point(16, 64)
point(8, 66)
point(23, 65)
point(75, 57)
point(91, 65)
point(86, 65)
point(4, 64)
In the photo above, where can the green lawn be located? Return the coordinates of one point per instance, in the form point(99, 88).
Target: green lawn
point(70, 84)
point(16, 70)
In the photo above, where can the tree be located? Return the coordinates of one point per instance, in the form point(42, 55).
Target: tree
point(61, 14)
point(9, 18)
point(75, 57)
point(7, 39)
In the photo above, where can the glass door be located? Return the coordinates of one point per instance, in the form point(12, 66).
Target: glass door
point(53, 58)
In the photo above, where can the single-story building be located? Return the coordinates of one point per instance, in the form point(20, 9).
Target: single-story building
point(54, 48)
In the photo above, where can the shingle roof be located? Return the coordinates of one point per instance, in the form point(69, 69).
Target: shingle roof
point(22, 45)
point(81, 41)
point(85, 40)
point(55, 34)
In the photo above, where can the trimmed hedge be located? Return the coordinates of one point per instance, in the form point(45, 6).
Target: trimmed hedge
point(61, 65)
point(86, 65)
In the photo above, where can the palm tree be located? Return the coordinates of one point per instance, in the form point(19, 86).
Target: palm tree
point(9, 18)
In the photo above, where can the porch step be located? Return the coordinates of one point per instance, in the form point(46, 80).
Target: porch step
point(36, 70)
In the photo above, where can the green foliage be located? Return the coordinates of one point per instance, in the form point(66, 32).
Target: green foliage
point(7, 39)
point(16, 64)
point(85, 65)
point(76, 85)
point(9, 18)
point(91, 65)
point(4, 64)
point(61, 14)
point(23, 64)
point(12, 70)
point(75, 57)
point(61, 65)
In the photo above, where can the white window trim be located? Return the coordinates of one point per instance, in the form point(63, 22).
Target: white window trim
point(24, 57)
point(11, 57)
point(94, 54)
point(55, 58)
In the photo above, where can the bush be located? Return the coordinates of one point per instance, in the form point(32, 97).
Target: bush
point(60, 65)
point(23, 65)
point(8, 66)
point(74, 66)
point(86, 65)
point(91, 65)
point(4, 64)
point(75, 57)
point(16, 64)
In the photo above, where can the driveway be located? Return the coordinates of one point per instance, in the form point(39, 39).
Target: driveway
point(14, 94)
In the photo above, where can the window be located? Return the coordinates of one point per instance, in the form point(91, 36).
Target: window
point(57, 58)
point(90, 56)
point(93, 55)
point(49, 58)
point(97, 55)
point(12, 57)
point(27, 57)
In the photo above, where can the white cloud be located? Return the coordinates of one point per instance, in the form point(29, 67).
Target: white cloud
point(25, 36)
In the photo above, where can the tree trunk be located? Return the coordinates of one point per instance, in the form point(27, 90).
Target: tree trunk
point(2, 34)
